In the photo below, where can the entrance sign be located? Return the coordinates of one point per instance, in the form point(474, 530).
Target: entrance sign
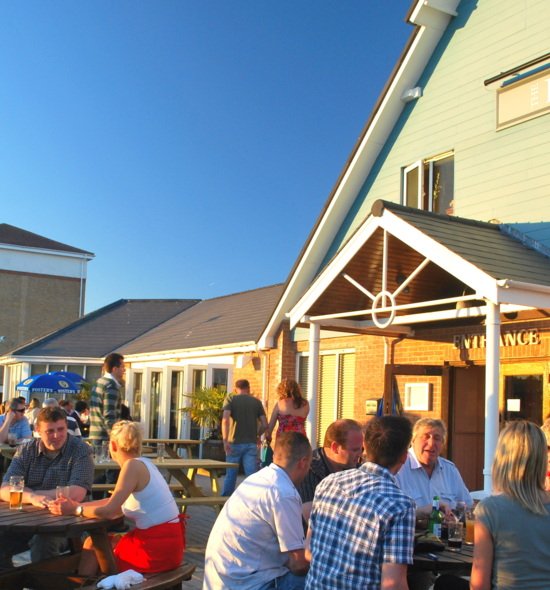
point(510, 338)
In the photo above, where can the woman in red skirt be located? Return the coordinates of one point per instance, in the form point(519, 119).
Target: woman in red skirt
point(157, 542)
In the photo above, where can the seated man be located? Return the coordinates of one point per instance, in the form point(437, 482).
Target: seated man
point(257, 542)
point(342, 448)
point(361, 530)
point(72, 424)
point(14, 422)
point(425, 474)
point(54, 459)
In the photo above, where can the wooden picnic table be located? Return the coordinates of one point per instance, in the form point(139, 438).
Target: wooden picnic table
point(445, 561)
point(34, 520)
point(184, 471)
point(173, 444)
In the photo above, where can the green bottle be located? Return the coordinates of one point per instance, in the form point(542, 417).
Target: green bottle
point(436, 518)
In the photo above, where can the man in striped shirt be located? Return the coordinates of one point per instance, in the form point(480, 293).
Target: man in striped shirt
point(361, 530)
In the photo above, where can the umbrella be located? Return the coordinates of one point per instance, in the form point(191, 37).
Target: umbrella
point(75, 377)
point(48, 383)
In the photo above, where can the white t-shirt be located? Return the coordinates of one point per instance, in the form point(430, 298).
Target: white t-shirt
point(259, 523)
point(154, 504)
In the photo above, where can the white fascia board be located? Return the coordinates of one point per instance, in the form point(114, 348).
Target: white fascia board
point(26, 260)
point(374, 139)
point(531, 298)
point(182, 354)
point(429, 12)
point(468, 273)
point(57, 360)
point(330, 273)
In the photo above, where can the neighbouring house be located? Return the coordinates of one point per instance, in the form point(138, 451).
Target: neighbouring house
point(426, 279)
point(42, 285)
point(80, 346)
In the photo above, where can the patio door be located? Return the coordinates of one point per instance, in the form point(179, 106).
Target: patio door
point(177, 384)
point(522, 386)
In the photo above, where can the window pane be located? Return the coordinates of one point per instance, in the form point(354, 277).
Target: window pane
point(346, 386)
point(220, 378)
point(56, 368)
point(93, 373)
point(327, 394)
point(303, 366)
point(443, 185)
point(176, 393)
point(136, 407)
point(78, 369)
point(154, 400)
point(38, 369)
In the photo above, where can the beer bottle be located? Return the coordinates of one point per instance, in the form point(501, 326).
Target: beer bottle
point(436, 518)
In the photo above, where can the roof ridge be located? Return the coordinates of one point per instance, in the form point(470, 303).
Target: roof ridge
point(20, 236)
point(242, 292)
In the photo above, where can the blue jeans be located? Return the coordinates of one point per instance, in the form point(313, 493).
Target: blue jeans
point(288, 581)
point(248, 454)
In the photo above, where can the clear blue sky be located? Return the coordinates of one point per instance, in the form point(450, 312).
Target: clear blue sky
point(190, 145)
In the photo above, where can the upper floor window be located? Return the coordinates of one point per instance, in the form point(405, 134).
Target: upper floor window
point(429, 184)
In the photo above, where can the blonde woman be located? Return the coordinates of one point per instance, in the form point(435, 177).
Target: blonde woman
point(290, 411)
point(512, 538)
point(157, 542)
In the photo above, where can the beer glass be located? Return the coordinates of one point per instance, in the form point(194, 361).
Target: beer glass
point(62, 492)
point(470, 522)
point(17, 484)
point(455, 536)
point(105, 454)
point(161, 452)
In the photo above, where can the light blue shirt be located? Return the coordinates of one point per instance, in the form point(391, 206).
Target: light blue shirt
point(20, 428)
point(445, 482)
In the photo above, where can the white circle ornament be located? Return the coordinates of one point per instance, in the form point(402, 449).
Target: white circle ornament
point(387, 321)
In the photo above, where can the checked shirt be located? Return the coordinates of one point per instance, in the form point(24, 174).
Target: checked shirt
point(360, 520)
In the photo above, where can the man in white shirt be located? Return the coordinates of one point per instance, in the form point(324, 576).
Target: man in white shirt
point(257, 542)
point(425, 474)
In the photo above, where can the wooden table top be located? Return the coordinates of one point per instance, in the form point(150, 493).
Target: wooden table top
point(171, 463)
point(172, 441)
point(445, 561)
point(32, 519)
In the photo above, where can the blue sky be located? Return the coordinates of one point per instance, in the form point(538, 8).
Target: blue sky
point(190, 145)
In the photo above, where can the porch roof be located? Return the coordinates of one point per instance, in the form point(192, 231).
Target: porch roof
point(425, 262)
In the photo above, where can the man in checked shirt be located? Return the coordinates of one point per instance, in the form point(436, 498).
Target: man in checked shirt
point(361, 530)
point(54, 459)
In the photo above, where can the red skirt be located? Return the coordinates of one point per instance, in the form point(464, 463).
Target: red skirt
point(153, 550)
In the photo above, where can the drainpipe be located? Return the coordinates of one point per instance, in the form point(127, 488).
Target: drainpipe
point(313, 381)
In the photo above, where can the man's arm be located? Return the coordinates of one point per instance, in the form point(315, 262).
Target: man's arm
point(297, 562)
point(394, 576)
point(5, 428)
point(226, 425)
point(263, 425)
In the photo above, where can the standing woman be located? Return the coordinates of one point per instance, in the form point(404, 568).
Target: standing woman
point(290, 411)
point(157, 542)
point(512, 530)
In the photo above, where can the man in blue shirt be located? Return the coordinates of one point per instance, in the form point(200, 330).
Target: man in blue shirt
point(14, 423)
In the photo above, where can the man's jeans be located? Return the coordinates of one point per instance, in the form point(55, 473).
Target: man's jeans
point(248, 454)
point(288, 581)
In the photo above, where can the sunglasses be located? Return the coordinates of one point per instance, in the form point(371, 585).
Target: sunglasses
point(22, 411)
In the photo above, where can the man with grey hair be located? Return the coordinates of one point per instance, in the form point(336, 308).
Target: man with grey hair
point(425, 474)
point(257, 542)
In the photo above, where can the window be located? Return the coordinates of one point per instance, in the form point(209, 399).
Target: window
point(176, 401)
point(154, 401)
point(136, 406)
point(336, 388)
point(220, 378)
point(429, 184)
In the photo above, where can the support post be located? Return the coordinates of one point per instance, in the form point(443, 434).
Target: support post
point(313, 382)
point(492, 372)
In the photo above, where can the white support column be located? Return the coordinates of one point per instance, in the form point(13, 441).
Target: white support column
point(492, 371)
point(313, 382)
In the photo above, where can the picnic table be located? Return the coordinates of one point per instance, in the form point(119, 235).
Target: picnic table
point(173, 444)
point(446, 561)
point(184, 472)
point(34, 520)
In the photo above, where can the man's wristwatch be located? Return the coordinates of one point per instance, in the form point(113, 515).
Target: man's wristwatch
point(79, 509)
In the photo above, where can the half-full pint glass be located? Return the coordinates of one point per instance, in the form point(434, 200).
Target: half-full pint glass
point(17, 484)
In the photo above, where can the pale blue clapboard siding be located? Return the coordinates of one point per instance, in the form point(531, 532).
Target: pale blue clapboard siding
point(503, 175)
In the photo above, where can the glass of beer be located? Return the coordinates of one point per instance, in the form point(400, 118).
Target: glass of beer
point(161, 452)
point(455, 536)
point(17, 484)
point(470, 522)
point(62, 492)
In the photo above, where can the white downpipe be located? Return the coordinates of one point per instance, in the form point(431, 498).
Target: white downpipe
point(313, 381)
point(492, 368)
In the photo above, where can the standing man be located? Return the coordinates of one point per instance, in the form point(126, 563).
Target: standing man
point(361, 531)
point(241, 414)
point(342, 448)
point(257, 542)
point(53, 459)
point(14, 422)
point(106, 400)
point(425, 474)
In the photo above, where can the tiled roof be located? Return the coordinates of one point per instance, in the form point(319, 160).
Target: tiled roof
point(236, 318)
point(107, 329)
point(15, 236)
point(496, 249)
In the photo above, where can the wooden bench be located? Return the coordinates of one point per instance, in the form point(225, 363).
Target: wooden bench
point(108, 487)
point(34, 577)
point(215, 502)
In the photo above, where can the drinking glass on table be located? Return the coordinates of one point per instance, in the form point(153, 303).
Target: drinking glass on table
point(105, 454)
point(17, 485)
point(12, 439)
point(161, 452)
point(62, 492)
point(454, 541)
point(470, 522)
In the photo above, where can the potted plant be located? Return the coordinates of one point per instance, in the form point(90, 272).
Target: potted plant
point(205, 409)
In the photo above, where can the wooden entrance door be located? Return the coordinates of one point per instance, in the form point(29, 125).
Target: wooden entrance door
point(467, 424)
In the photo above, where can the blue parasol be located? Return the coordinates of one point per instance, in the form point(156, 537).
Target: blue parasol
point(75, 377)
point(48, 383)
